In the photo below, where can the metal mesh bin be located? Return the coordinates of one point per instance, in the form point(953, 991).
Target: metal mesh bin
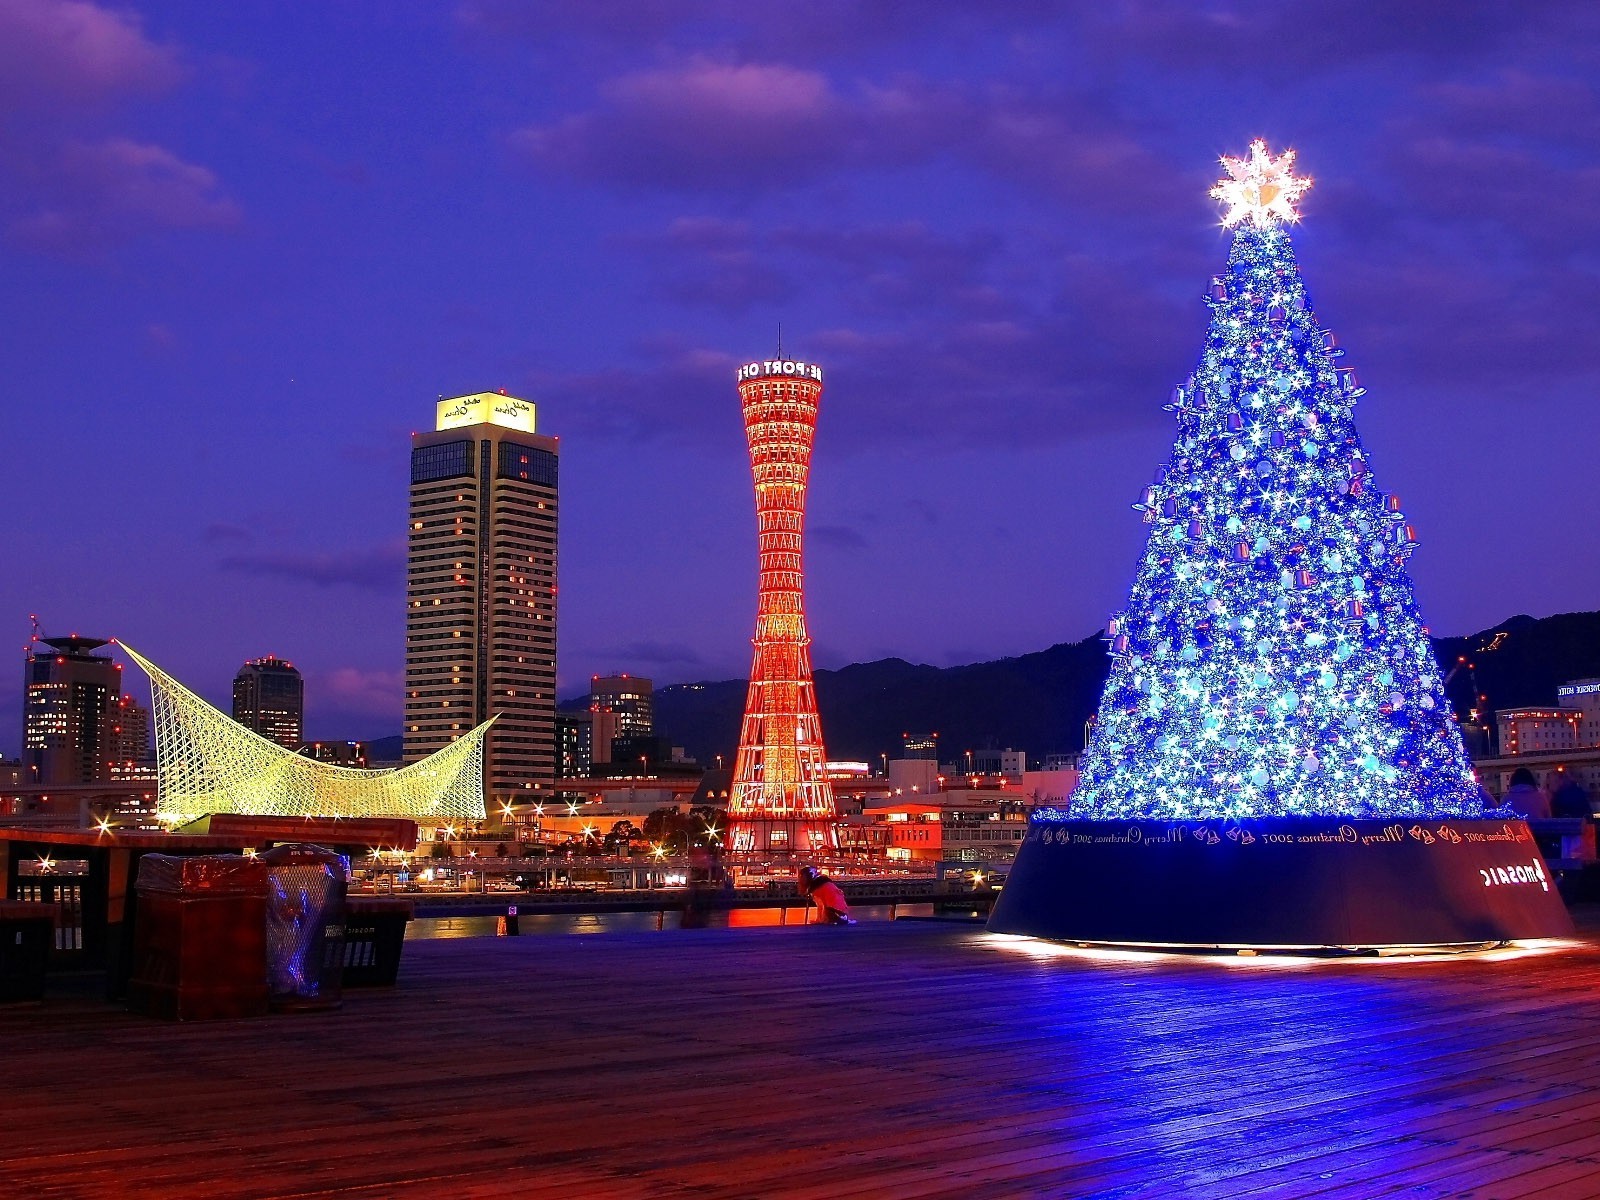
point(305, 926)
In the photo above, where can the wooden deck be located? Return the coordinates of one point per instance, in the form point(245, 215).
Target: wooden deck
point(912, 1059)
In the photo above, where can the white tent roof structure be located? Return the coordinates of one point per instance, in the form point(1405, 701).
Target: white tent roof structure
point(206, 762)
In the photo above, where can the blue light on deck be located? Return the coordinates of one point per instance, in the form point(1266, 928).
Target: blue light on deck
point(1271, 660)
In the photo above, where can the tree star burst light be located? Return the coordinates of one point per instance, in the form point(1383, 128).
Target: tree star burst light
point(1261, 189)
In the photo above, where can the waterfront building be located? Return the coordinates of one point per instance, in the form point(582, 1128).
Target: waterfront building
point(481, 590)
point(269, 698)
point(1573, 723)
point(1052, 786)
point(914, 775)
point(962, 827)
point(1583, 696)
point(782, 802)
point(1536, 730)
point(70, 707)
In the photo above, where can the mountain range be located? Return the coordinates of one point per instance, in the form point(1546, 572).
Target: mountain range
point(1039, 702)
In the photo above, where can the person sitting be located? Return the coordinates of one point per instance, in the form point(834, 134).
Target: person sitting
point(826, 895)
point(1571, 799)
point(1526, 796)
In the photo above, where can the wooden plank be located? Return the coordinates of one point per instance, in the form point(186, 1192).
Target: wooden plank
point(909, 1059)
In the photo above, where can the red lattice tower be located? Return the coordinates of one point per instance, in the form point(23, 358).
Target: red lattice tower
point(782, 802)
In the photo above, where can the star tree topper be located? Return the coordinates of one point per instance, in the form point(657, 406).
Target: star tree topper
point(1260, 189)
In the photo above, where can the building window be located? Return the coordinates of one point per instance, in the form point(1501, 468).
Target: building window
point(445, 461)
point(528, 464)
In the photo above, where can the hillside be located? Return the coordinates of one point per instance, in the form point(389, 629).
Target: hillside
point(1039, 702)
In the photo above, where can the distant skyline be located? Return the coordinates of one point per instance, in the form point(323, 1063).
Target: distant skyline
point(245, 247)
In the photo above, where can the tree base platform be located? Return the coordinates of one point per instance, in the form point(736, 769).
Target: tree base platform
point(1292, 884)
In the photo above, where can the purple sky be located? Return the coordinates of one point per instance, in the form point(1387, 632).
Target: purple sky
point(244, 246)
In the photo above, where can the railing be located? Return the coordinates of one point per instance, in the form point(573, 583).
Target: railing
point(65, 893)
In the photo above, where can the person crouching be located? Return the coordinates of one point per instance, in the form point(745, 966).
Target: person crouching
point(832, 908)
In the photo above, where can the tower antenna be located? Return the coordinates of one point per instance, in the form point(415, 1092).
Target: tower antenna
point(780, 339)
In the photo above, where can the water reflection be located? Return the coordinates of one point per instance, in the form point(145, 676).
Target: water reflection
point(639, 922)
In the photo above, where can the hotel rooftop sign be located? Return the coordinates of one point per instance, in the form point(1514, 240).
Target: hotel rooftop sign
point(485, 408)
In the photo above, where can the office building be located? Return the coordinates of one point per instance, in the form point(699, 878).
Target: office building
point(574, 754)
point(70, 706)
point(131, 754)
point(481, 590)
point(269, 698)
point(990, 761)
point(630, 697)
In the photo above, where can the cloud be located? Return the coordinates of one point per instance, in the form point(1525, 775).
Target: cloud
point(228, 531)
point(653, 652)
point(810, 28)
point(878, 268)
point(708, 126)
point(669, 389)
point(933, 338)
point(837, 537)
point(701, 125)
point(88, 196)
point(1519, 102)
point(714, 262)
point(361, 689)
point(71, 52)
point(1264, 41)
point(379, 568)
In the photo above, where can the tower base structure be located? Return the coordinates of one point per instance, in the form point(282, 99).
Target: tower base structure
point(775, 837)
point(1289, 884)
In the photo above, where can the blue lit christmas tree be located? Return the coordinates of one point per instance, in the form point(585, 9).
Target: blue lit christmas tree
point(1271, 660)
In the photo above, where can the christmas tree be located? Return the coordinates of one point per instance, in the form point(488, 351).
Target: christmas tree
point(1271, 660)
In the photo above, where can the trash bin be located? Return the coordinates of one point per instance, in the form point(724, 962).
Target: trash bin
point(374, 936)
point(27, 929)
point(199, 944)
point(305, 926)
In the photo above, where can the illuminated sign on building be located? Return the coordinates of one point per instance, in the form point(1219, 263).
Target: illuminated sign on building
point(780, 366)
point(1579, 689)
point(485, 408)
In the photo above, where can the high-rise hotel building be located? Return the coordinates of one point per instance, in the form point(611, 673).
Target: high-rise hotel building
point(269, 698)
point(481, 590)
